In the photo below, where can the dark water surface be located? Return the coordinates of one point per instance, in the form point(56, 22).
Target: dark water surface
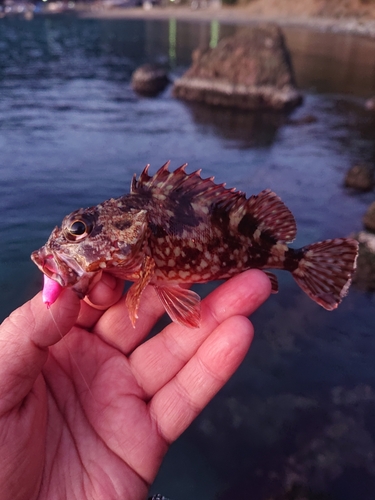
point(72, 133)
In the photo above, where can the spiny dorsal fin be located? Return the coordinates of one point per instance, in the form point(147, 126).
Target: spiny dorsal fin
point(178, 183)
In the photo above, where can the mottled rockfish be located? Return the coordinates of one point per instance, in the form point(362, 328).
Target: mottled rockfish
point(176, 228)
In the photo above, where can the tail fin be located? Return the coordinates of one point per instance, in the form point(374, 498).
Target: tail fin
point(325, 270)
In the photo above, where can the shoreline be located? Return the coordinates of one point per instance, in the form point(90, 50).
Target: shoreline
point(235, 15)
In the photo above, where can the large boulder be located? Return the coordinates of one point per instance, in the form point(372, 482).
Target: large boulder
point(149, 80)
point(250, 70)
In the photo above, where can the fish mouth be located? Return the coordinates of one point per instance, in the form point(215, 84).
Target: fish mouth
point(65, 271)
point(54, 267)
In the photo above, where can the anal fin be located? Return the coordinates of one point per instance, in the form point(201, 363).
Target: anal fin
point(274, 283)
point(183, 306)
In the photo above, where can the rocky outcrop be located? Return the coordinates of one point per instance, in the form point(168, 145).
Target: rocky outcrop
point(360, 177)
point(251, 70)
point(149, 80)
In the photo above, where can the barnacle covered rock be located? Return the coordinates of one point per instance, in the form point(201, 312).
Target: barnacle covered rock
point(250, 70)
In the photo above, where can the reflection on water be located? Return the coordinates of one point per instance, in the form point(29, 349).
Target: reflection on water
point(327, 62)
point(244, 129)
point(72, 133)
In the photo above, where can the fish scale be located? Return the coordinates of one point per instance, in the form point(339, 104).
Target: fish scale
point(175, 228)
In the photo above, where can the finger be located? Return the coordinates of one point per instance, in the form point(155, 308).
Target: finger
point(242, 294)
point(115, 326)
point(105, 293)
point(156, 361)
point(24, 338)
point(177, 404)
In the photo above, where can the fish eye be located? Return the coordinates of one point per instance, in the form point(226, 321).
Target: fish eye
point(77, 230)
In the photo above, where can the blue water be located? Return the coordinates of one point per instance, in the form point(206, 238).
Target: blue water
point(72, 133)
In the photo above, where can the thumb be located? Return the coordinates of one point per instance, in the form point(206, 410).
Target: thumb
point(25, 337)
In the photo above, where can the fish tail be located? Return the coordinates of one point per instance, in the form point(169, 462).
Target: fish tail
point(325, 270)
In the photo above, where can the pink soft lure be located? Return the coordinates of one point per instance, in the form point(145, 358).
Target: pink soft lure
point(51, 291)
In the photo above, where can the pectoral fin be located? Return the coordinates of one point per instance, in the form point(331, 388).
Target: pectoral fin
point(183, 306)
point(133, 296)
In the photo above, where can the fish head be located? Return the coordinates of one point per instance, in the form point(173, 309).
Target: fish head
point(108, 237)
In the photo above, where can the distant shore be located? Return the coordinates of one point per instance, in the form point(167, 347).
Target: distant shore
point(233, 15)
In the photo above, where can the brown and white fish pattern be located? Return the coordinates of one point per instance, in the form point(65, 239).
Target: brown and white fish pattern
point(176, 228)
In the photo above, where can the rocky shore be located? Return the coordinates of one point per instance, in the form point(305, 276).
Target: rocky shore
point(363, 26)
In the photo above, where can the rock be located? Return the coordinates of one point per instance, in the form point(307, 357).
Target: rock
point(360, 177)
point(370, 104)
point(369, 218)
point(250, 70)
point(149, 80)
point(364, 276)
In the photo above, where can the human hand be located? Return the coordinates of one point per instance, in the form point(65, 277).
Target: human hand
point(91, 416)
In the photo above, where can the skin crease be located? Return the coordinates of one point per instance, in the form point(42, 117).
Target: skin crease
point(91, 416)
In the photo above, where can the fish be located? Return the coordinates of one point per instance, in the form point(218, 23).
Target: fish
point(176, 228)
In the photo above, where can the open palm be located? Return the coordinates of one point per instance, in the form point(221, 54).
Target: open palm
point(92, 415)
